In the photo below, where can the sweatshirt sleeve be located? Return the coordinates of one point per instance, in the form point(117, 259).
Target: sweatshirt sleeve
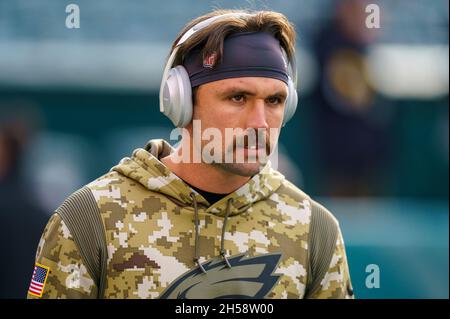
point(336, 283)
point(59, 271)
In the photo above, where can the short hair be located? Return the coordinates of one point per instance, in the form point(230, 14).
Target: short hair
point(212, 37)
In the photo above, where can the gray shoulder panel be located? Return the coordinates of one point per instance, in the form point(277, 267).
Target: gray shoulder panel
point(82, 217)
point(323, 234)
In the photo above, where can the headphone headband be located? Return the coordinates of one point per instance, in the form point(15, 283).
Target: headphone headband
point(203, 24)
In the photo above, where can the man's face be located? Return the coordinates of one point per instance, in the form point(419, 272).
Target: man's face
point(247, 103)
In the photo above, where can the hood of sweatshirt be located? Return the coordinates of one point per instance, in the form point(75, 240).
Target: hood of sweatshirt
point(145, 167)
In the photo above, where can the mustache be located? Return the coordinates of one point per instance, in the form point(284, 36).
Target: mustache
point(260, 141)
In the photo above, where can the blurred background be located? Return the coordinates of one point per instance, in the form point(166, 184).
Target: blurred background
point(370, 138)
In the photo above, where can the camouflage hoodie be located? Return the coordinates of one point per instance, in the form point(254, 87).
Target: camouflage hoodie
point(164, 240)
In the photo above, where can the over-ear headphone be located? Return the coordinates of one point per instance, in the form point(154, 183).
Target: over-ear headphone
point(175, 93)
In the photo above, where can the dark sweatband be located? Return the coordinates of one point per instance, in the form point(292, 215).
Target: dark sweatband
point(246, 54)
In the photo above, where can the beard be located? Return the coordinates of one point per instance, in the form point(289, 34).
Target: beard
point(246, 165)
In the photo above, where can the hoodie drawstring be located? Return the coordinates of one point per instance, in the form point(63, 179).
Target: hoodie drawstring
point(196, 257)
point(222, 238)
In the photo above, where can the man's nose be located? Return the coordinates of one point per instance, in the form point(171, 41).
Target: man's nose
point(256, 117)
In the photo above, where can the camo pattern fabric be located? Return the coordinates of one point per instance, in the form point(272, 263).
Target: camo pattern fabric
point(68, 277)
point(148, 215)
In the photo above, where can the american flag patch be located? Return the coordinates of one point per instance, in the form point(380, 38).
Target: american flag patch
point(38, 280)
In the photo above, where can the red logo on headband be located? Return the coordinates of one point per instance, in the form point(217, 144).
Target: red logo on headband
point(209, 60)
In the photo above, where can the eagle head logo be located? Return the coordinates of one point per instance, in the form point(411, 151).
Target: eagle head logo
point(250, 277)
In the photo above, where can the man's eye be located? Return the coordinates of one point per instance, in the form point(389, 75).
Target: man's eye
point(237, 98)
point(274, 100)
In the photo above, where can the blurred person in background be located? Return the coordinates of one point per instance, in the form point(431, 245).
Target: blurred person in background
point(21, 216)
point(352, 138)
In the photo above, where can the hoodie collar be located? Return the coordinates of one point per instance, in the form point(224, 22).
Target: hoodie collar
point(145, 167)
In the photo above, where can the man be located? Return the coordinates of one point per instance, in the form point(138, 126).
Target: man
point(191, 223)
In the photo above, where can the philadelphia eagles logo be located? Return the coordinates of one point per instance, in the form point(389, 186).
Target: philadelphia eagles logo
point(250, 277)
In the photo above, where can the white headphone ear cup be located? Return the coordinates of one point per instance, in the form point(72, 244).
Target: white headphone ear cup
point(177, 97)
point(291, 102)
